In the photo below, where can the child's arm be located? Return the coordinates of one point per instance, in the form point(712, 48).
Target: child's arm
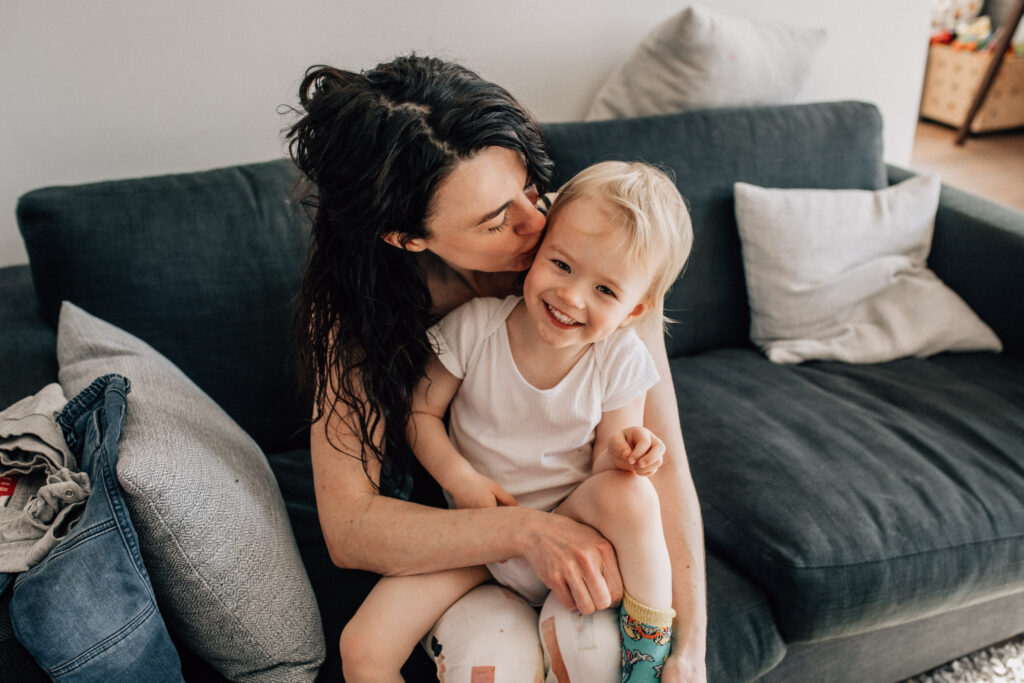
point(432, 447)
point(620, 443)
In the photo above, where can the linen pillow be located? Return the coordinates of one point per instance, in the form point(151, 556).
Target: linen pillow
point(699, 58)
point(212, 525)
point(841, 275)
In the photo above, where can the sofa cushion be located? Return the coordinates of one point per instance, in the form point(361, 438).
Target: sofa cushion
point(743, 641)
point(900, 483)
point(821, 145)
point(28, 347)
point(202, 266)
point(841, 275)
point(701, 58)
point(213, 531)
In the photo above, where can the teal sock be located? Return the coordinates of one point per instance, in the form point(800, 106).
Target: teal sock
point(646, 636)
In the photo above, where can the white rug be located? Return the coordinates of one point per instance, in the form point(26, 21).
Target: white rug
point(1002, 663)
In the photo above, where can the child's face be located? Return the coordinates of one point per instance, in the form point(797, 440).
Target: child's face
point(582, 286)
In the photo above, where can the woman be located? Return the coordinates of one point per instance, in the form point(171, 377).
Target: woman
point(424, 180)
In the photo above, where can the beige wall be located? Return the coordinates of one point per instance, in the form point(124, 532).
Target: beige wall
point(118, 88)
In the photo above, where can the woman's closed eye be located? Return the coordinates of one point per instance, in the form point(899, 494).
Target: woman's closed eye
point(502, 225)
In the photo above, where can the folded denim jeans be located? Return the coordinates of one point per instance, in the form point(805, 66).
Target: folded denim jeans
point(87, 612)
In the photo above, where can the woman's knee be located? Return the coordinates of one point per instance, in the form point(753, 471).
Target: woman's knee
point(580, 647)
point(489, 634)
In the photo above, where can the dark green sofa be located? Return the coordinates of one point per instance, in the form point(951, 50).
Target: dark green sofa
point(863, 523)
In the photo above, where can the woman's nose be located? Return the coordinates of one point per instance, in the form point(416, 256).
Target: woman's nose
point(531, 221)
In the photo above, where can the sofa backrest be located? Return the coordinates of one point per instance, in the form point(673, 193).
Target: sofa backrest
point(204, 266)
point(201, 266)
point(820, 145)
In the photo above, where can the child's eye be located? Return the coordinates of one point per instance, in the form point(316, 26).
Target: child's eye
point(605, 290)
point(562, 265)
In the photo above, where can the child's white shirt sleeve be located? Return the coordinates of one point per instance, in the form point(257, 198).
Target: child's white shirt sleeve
point(626, 367)
point(456, 337)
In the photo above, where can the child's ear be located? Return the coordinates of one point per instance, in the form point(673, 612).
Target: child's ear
point(637, 311)
point(395, 240)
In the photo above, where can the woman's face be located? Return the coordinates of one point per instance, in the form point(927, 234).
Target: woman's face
point(484, 215)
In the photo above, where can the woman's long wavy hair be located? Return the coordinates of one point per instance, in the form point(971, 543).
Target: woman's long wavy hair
point(374, 147)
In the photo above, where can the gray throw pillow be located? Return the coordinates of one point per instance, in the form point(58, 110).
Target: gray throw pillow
point(214, 533)
point(842, 275)
point(702, 58)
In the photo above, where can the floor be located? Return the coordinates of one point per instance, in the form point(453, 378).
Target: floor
point(988, 164)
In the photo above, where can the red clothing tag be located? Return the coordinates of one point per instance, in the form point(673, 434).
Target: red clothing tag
point(7, 486)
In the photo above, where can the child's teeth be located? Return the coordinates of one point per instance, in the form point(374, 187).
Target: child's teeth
point(560, 317)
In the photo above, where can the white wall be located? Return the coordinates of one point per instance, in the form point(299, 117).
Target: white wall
point(119, 88)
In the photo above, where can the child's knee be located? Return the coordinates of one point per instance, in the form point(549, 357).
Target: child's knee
point(626, 498)
point(364, 655)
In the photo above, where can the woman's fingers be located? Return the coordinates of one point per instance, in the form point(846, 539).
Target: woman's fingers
point(576, 563)
point(597, 586)
point(503, 496)
point(581, 594)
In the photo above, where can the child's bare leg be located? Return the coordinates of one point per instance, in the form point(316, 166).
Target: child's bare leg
point(396, 614)
point(624, 508)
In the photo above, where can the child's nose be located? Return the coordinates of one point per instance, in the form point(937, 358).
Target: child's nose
point(572, 295)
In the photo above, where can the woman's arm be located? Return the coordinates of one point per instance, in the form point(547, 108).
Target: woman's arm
point(365, 530)
point(680, 514)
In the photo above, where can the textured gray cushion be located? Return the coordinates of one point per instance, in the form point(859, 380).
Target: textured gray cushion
point(702, 58)
point(214, 533)
point(841, 275)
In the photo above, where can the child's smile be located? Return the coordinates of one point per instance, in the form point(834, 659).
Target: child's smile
point(583, 286)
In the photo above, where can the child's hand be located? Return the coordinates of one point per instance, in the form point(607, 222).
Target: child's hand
point(637, 449)
point(474, 490)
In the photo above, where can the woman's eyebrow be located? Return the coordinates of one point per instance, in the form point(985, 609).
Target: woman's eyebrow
point(494, 213)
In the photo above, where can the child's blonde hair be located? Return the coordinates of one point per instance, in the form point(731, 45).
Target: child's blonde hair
point(648, 207)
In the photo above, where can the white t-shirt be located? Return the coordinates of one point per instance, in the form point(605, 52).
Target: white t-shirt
point(536, 443)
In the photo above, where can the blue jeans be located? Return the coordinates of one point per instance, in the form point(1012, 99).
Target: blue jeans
point(87, 611)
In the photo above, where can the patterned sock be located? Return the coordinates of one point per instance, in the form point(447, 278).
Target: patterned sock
point(646, 635)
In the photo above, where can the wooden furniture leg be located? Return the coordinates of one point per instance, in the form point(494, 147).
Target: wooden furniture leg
point(1009, 28)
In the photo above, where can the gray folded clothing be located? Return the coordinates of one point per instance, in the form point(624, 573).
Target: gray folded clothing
point(49, 493)
point(30, 437)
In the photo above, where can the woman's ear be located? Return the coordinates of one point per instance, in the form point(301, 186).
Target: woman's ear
point(395, 240)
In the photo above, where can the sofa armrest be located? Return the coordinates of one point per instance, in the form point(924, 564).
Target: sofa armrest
point(28, 346)
point(978, 250)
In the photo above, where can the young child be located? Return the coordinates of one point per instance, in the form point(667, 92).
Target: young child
point(546, 393)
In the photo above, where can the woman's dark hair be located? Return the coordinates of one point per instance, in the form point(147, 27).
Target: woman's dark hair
point(374, 147)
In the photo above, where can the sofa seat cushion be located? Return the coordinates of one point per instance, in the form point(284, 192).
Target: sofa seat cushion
point(743, 640)
point(860, 496)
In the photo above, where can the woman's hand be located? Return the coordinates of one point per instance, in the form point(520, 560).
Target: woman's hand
point(576, 562)
point(680, 668)
point(473, 490)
